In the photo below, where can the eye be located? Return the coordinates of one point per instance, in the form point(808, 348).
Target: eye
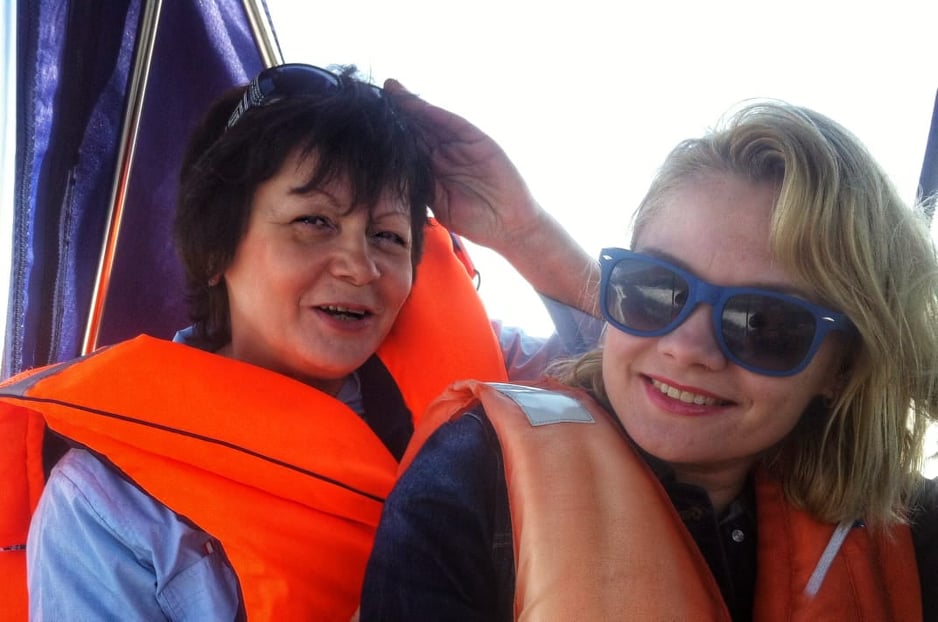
point(391, 237)
point(315, 221)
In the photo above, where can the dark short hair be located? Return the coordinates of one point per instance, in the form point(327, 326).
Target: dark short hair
point(355, 133)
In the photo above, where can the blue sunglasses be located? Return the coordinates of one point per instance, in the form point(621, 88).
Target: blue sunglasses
point(764, 331)
point(290, 80)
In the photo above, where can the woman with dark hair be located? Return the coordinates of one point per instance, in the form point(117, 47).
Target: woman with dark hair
point(241, 471)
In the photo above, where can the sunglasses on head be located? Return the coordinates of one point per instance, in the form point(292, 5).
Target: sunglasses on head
point(290, 80)
point(764, 331)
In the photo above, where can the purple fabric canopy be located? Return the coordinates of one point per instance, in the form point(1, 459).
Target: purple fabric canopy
point(928, 182)
point(75, 62)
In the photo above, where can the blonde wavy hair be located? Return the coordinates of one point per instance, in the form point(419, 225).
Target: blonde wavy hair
point(840, 226)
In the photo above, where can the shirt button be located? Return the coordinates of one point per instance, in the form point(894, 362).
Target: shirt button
point(738, 535)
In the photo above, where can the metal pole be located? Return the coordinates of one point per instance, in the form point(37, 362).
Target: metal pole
point(267, 43)
point(138, 83)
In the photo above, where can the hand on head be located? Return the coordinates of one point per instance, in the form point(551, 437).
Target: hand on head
point(479, 192)
point(481, 196)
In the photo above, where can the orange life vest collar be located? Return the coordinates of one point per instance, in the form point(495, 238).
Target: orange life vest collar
point(596, 535)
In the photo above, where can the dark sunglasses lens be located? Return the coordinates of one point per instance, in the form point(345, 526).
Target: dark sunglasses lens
point(766, 332)
point(644, 297)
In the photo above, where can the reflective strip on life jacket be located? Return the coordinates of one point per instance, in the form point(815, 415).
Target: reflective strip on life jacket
point(873, 576)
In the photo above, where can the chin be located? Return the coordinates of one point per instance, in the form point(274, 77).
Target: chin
point(335, 368)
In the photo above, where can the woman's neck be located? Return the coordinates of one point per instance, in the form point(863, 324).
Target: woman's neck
point(330, 386)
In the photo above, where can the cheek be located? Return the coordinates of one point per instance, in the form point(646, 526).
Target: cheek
point(780, 404)
point(792, 395)
point(401, 295)
point(774, 407)
point(398, 280)
point(251, 265)
point(620, 349)
point(619, 352)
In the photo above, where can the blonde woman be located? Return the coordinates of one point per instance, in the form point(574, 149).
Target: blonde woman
point(747, 442)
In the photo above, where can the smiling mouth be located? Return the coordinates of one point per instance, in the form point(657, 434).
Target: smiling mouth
point(686, 396)
point(344, 313)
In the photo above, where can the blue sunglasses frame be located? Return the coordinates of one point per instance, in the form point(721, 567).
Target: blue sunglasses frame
point(700, 291)
point(288, 80)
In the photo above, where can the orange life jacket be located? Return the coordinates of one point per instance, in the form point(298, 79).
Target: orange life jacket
point(288, 479)
point(597, 538)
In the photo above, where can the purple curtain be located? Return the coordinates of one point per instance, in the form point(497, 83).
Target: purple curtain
point(74, 64)
point(928, 182)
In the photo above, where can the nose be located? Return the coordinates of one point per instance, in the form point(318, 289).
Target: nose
point(693, 343)
point(353, 261)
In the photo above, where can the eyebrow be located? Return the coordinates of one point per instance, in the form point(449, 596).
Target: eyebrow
point(303, 191)
point(402, 213)
point(331, 200)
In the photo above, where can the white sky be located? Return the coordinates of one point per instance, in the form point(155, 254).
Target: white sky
point(587, 98)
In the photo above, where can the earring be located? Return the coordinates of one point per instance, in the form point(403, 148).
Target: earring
point(215, 280)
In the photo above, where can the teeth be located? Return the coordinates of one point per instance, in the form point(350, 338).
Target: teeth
point(685, 396)
point(345, 310)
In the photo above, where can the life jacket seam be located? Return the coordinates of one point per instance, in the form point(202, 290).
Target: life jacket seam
point(203, 438)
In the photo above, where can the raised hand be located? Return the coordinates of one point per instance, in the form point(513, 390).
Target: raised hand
point(481, 196)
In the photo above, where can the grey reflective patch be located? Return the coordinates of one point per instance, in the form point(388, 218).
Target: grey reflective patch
point(543, 407)
point(19, 389)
